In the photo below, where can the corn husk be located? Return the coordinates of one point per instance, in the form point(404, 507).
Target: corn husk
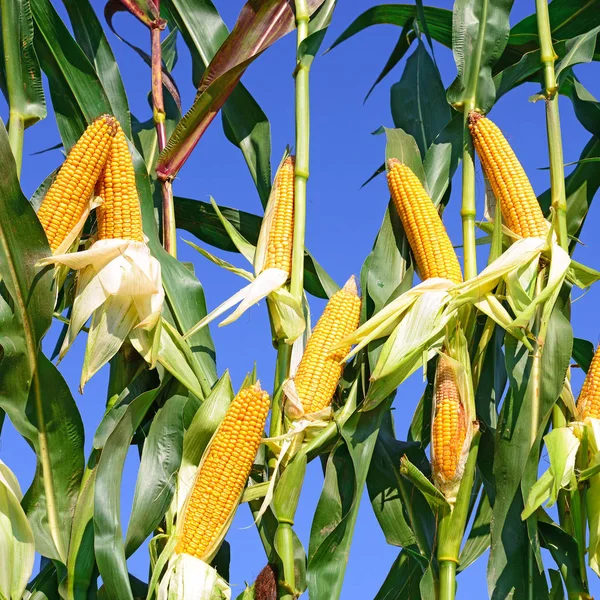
point(518, 267)
point(17, 547)
point(416, 332)
point(286, 313)
point(456, 355)
point(119, 285)
point(562, 444)
point(189, 578)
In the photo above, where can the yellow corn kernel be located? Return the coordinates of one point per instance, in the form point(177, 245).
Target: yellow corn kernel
point(119, 215)
point(519, 206)
point(281, 233)
point(68, 196)
point(427, 236)
point(449, 427)
point(588, 403)
point(320, 370)
point(223, 473)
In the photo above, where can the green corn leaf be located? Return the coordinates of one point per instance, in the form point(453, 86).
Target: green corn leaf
point(109, 546)
point(439, 21)
point(579, 50)
point(418, 100)
point(478, 540)
point(92, 40)
point(480, 34)
point(201, 220)
point(583, 352)
point(77, 93)
point(16, 537)
point(335, 517)
point(21, 68)
point(581, 187)
point(526, 409)
point(155, 485)
point(32, 392)
point(404, 520)
point(402, 581)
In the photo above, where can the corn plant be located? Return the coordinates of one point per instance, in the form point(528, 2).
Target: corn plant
point(500, 461)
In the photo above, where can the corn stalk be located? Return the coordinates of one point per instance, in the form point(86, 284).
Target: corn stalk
point(284, 537)
point(159, 116)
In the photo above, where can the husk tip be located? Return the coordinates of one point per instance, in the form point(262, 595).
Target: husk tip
point(110, 120)
point(474, 116)
point(351, 286)
point(392, 162)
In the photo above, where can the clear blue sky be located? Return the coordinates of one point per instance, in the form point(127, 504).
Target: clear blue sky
point(342, 223)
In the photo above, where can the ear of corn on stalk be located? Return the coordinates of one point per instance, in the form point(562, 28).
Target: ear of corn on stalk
point(119, 282)
point(222, 475)
point(449, 426)
point(518, 203)
point(119, 215)
point(67, 199)
point(272, 264)
point(588, 403)
point(427, 236)
point(279, 220)
point(320, 367)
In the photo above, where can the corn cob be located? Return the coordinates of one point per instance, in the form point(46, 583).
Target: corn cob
point(588, 403)
point(119, 215)
point(518, 203)
point(427, 236)
point(66, 200)
point(281, 233)
point(320, 370)
point(449, 428)
point(223, 473)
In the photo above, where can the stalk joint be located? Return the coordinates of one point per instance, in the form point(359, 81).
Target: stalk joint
point(301, 173)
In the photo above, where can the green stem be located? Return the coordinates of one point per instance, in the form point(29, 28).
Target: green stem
point(12, 65)
point(579, 508)
point(559, 420)
point(16, 133)
point(284, 537)
point(555, 151)
point(284, 352)
point(284, 542)
point(468, 210)
point(452, 526)
point(301, 75)
point(447, 580)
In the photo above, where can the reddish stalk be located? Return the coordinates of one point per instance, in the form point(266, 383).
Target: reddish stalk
point(168, 212)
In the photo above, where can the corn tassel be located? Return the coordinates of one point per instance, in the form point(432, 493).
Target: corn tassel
point(320, 367)
point(223, 473)
point(588, 403)
point(67, 199)
point(449, 427)
point(119, 215)
point(512, 189)
point(281, 229)
point(427, 236)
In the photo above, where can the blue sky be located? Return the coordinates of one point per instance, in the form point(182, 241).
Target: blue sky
point(342, 222)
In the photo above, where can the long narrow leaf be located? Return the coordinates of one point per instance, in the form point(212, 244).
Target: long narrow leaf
point(21, 66)
point(258, 26)
point(32, 391)
point(90, 37)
